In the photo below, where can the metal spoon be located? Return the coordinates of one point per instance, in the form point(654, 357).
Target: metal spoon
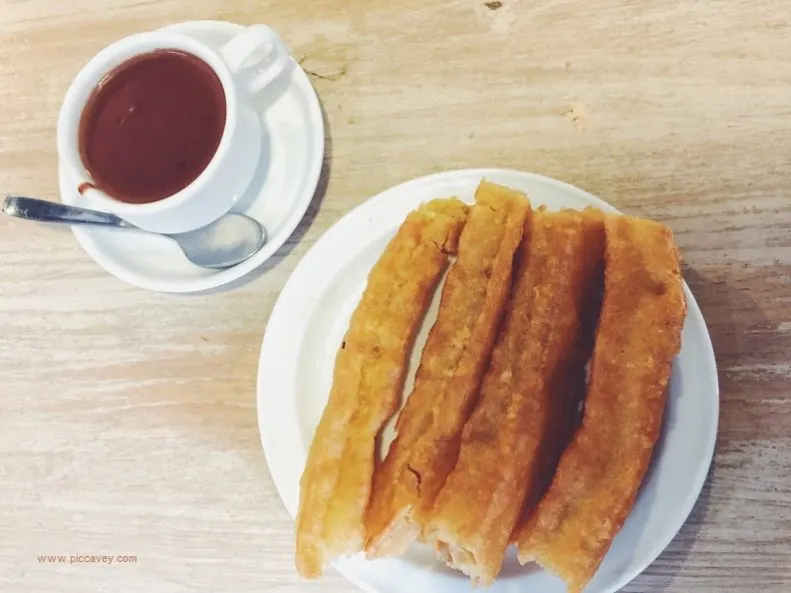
point(227, 241)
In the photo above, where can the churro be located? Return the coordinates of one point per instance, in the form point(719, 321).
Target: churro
point(368, 379)
point(525, 395)
point(599, 474)
point(453, 361)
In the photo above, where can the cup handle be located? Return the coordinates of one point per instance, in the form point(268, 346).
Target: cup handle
point(259, 54)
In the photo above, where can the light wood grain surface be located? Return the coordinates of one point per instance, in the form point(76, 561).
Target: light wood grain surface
point(127, 418)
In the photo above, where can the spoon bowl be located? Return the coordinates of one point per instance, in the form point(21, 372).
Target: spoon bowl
point(224, 243)
point(227, 241)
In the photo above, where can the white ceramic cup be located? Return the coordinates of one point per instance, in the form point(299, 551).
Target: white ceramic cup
point(245, 66)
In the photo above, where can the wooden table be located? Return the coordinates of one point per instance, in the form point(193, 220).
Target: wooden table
point(127, 418)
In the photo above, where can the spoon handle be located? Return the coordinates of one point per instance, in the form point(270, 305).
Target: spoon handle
point(44, 211)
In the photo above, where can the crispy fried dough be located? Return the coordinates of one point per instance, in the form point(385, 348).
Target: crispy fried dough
point(510, 434)
point(367, 383)
point(453, 361)
point(599, 474)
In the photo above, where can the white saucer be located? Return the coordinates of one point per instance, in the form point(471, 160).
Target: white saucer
point(298, 355)
point(281, 191)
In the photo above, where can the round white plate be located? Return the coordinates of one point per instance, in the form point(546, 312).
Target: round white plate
point(306, 329)
point(280, 193)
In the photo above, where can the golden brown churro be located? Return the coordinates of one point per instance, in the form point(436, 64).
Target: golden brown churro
point(453, 361)
point(367, 383)
point(525, 395)
point(599, 474)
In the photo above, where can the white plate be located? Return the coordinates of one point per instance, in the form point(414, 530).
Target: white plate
point(306, 329)
point(280, 193)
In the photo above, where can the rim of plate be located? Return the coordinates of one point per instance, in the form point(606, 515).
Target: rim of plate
point(302, 201)
point(272, 440)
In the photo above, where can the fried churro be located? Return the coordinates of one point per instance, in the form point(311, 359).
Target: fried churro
point(599, 474)
point(453, 361)
point(525, 395)
point(368, 379)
